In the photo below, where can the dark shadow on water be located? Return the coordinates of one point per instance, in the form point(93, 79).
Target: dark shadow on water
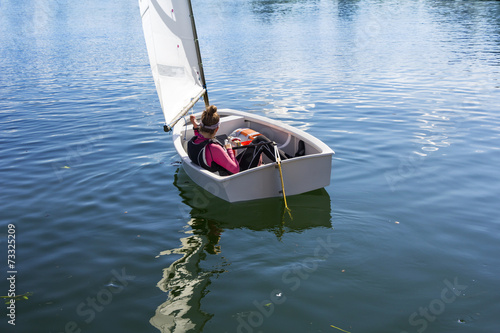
point(347, 9)
point(309, 210)
point(267, 8)
point(186, 281)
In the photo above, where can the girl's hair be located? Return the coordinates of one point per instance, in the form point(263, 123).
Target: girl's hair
point(209, 117)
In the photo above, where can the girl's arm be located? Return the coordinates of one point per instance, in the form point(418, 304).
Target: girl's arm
point(192, 118)
point(224, 158)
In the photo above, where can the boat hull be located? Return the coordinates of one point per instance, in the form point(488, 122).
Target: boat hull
point(300, 174)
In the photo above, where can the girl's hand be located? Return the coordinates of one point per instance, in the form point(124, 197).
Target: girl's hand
point(192, 118)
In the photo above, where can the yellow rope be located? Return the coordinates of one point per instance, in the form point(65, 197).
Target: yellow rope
point(278, 161)
point(340, 329)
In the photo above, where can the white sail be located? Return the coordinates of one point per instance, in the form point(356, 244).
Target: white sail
point(170, 41)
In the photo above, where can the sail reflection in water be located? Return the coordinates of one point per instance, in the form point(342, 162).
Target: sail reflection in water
point(186, 281)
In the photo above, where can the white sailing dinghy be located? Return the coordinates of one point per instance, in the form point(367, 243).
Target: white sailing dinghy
point(175, 60)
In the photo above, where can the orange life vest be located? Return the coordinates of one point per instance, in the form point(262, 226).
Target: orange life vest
point(244, 135)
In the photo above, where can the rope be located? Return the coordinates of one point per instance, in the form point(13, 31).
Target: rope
point(185, 128)
point(278, 161)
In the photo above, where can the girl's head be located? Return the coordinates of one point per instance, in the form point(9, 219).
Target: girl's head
point(210, 120)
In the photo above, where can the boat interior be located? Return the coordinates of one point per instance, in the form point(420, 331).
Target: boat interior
point(286, 140)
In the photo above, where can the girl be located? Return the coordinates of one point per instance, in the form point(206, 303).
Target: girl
point(206, 151)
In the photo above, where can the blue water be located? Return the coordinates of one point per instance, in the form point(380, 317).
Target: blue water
point(112, 236)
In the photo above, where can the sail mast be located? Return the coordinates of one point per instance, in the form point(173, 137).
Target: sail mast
point(198, 54)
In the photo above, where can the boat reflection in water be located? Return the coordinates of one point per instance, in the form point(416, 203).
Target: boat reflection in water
point(186, 281)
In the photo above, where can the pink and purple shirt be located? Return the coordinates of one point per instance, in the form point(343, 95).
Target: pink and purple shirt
point(216, 153)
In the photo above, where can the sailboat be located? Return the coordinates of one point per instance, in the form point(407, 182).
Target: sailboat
point(175, 59)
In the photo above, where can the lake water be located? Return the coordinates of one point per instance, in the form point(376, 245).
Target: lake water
point(111, 235)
